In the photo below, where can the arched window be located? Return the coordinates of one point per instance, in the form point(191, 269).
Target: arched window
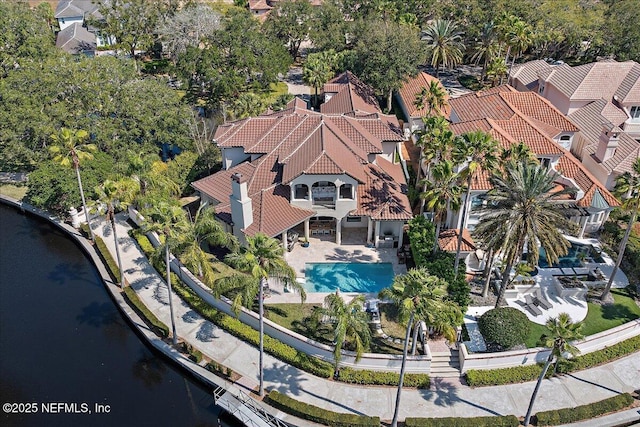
point(346, 191)
point(301, 191)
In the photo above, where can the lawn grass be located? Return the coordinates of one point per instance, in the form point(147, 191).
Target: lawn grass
point(15, 191)
point(536, 332)
point(291, 316)
point(389, 321)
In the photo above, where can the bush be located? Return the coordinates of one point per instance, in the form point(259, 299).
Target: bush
point(589, 360)
point(366, 377)
point(516, 374)
point(157, 327)
point(112, 265)
point(318, 415)
point(504, 327)
point(500, 421)
point(584, 412)
point(421, 236)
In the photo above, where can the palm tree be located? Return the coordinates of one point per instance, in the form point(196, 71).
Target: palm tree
point(562, 331)
point(421, 297)
point(476, 149)
point(150, 173)
point(518, 153)
point(246, 105)
point(521, 37)
point(444, 43)
point(350, 325)
point(162, 218)
point(317, 70)
point(113, 195)
point(505, 28)
point(521, 208)
point(496, 70)
point(69, 150)
point(628, 188)
point(442, 194)
point(192, 234)
point(435, 141)
point(486, 48)
point(433, 98)
point(262, 258)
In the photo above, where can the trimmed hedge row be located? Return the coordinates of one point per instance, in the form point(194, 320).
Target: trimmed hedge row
point(584, 412)
point(318, 415)
point(104, 253)
point(518, 374)
point(501, 421)
point(154, 323)
point(367, 377)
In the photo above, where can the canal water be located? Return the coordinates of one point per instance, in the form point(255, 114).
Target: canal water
point(67, 356)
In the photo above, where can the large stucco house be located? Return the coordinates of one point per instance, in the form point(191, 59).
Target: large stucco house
point(315, 172)
point(77, 35)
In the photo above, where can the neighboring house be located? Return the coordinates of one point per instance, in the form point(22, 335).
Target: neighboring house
point(509, 117)
point(260, 8)
point(346, 93)
point(77, 13)
point(316, 172)
point(603, 99)
point(407, 96)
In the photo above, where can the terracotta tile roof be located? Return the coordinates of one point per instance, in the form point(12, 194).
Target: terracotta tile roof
point(383, 195)
point(591, 119)
point(272, 212)
point(521, 129)
point(259, 5)
point(482, 105)
point(571, 167)
point(352, 95)
point(218, 185)
point(536, 107)
point(448, 241)
point(413, 87)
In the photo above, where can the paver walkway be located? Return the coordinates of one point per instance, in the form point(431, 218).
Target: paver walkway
point(447, 397)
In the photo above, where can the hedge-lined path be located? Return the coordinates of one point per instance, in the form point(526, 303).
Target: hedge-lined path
point(447, 397)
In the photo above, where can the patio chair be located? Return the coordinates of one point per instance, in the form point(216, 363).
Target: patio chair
point(533, 309)
point(541, 301)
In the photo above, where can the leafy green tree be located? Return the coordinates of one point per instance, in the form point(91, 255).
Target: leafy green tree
point(247, 105)
point(444, 44)
point(150, 173)
point(290, 21)
point(350, 325)
point(621, 34)
point(69, 149)
point(262, 257)
point(476, 151)
point(522, 207)
point(317, 70)
point(628, 188)
point(330, 29)
point(562, 332)
point(421, 297)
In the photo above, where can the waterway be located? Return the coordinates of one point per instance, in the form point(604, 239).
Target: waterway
point(67, 354)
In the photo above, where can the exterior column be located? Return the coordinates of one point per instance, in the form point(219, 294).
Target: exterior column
point(284, 240)
point(376, 236)
point(401, 236)
point(369, 229)
point(583, 226)
point(306, 228)
point(338, 231)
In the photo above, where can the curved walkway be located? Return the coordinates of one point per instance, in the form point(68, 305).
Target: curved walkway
point(445, 398)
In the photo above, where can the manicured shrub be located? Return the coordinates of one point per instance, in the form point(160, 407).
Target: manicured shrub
point(516, 374)
point(421, 236)
point(157, 327)
point(504, 327)
point(501, 421)
point(112, 265)
point(589, 360)
point(584, 412)
point(318, 415)
point(367, 377)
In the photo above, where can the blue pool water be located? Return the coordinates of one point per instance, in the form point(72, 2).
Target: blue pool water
point(571, 259)
point(348, 277)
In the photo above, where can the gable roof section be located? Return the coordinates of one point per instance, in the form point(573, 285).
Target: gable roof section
point(571, 167)
point(75, 39)
point(272, 212)
point(218, 185)
point(527, 73)
point(352, 96)
point(448, 241)
point(536, 107)
point(482, 105)
point(629, 90)
point(413, 87)
point(74, 8)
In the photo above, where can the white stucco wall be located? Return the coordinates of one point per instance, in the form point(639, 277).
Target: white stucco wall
point(342, 206)
point(67, 22)
point(233, 156)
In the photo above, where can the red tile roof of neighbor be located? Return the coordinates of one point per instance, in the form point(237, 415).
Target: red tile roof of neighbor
point(448, 241)
point(506, 121)
point(351, 95)
point(413, 87)
point(297, 141)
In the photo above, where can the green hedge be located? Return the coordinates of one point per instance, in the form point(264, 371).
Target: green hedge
point(366, 377)
point(104, 253)
point(501, 421)
point(318, 415)
point(518, 374)
point(584, 412)
point(154, 323)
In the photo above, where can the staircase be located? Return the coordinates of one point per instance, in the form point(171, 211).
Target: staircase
point(445, 364)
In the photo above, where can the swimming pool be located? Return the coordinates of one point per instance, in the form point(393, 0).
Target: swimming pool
point(348, 276)
point(572, 258)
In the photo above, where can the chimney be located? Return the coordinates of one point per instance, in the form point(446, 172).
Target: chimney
point(608, 142)
point(241, 206)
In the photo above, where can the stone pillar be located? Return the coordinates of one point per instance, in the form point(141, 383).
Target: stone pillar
point(583, 226)
point(284, 240)
point(306, 228)
point(338, 231)
point(401, 235)
point(376, 234)
point(369, 229)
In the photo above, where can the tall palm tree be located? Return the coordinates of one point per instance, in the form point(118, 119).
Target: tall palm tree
point(476, 149)
point(486, 48)
point(162, 218)
point(435, 141)
point(505, 27)
point(442, 194)
point(262, 257)
point(562, 332)
point(517, 153)
point(113, 195)
point(521, 209)
point(69, 149)
point(628, 188)
point(520, 38)
point(150, 173)
point(496, 70)
point(444, 43)
point(433, 98)
point(246, 105)
point(421, 297)
point(191, 234)
point(316, 71)
point(350, 325)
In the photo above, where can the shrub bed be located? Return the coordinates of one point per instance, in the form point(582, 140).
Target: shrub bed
point(584, 412)
point(504, 327)
point(318, 415)
point(157, 327)
point(501, 421)
point(104, 253)
point(516, 374)
point(367, 377)
point(589, 360)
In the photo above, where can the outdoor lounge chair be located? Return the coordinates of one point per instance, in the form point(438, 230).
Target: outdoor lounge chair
point(541, 301)
point(533, 309)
